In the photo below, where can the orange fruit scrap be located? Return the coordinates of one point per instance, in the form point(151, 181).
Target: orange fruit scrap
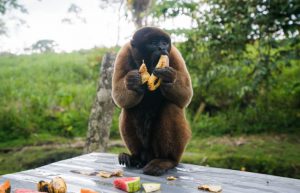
point(85, 190)
point(5, 187)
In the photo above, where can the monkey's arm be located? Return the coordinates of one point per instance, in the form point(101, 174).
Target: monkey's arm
point(176, 83)
point(123, 77)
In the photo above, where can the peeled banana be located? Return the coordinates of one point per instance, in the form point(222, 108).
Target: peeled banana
point(144, 73)
point(153, 82)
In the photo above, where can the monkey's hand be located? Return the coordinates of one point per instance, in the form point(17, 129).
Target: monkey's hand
point(133, 81)
point(167, 74)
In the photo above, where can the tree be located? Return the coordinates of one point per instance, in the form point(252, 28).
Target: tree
point(44, 46)
point(5, 6)
point(102, 109)
point(226, 32)
point(74, 12)
point(139, 10)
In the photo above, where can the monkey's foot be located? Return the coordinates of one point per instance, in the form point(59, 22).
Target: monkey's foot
point(129, 160)
point(158, 167)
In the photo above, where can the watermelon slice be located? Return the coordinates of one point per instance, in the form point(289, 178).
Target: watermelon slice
point(22, 190)
point(130, 184)
point(5, 187)
point(151, 187)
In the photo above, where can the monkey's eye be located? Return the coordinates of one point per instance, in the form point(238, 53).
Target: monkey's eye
point(154, 42)
point(164, 43)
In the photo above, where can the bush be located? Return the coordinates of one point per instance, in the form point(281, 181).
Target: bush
point(47, 93)
point(14, 124)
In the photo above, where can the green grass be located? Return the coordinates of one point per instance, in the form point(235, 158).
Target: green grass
point(269, 154)
point(31, 158)
point(47, 93)
point(276, 154)
point(33, 140)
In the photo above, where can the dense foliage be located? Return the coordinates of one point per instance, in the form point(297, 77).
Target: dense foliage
point(47, 93)
point(238, 53)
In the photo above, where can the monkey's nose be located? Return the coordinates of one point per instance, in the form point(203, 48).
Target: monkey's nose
point(164, 52)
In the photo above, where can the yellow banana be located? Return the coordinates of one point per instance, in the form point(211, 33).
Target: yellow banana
point(153, 81)
point(144, 73)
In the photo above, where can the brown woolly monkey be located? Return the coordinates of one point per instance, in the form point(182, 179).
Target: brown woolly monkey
point(152, 123)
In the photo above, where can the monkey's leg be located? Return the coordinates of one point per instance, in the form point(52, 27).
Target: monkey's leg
point(131, 140)
point(157, 167)
point(171, 136)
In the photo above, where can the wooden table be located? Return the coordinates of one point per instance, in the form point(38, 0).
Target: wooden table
point(189, 177)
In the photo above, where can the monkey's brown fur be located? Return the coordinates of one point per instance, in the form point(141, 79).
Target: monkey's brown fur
point(159, 147)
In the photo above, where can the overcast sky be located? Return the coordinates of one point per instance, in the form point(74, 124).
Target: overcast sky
point(44, 21)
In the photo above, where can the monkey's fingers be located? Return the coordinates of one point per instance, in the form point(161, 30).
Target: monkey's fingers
point(167, 74)
point(154, 81)
point(124, 159)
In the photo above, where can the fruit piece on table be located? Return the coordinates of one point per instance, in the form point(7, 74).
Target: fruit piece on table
point(22, 190)
point(85, 190)
point(58, 185)
point(5, 187)
point(43, 186)
point(171, 178)
point(210, 188)
point(130, 184)
point(105, 174)
point(151, 187)
point(118, 173)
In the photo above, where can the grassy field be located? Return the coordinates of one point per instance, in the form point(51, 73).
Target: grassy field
point(48, 92)
point(270, 154)
point(45, 102)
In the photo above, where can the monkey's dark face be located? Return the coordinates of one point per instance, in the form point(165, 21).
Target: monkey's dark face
point(158, 45)
point(151, 43)
point(155, 48)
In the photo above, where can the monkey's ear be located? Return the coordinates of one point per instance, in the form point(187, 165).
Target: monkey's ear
point(133, 44)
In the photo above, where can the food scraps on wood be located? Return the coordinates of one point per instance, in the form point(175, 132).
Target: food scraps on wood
point(210, 188)
point(86, 190)
point(105, 174)
point(5, 187)
point(130, 184)
point(151, 187)
point(171, 178)
point(43, 186)
point(57, 185)
point(85, 173)
point(22, 190)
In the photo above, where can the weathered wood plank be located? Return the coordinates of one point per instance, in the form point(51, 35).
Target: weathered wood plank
point(189, 177)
